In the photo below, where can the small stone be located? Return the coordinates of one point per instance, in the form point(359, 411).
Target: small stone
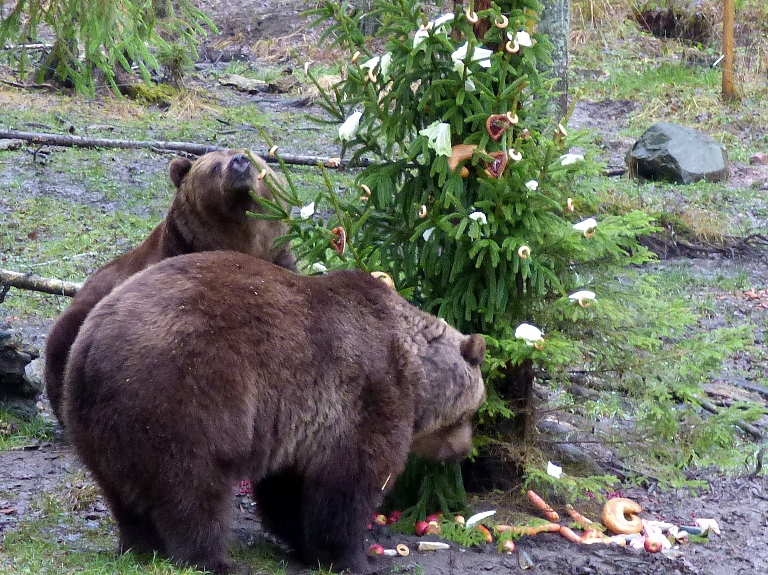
point(11, 144)
point(758, 159)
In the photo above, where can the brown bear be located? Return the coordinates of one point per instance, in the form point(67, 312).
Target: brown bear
point(209, 368)
point(209, 212)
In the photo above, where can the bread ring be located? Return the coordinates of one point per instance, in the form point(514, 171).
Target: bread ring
point(620, 516)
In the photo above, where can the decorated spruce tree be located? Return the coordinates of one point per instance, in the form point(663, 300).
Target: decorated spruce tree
point(470, 202)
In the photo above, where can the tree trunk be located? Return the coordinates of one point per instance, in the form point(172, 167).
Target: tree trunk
point(728, 20)
point(556, 23)
point(368, 24)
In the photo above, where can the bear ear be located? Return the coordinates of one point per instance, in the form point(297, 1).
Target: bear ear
point(473, 350)
point(178, 169)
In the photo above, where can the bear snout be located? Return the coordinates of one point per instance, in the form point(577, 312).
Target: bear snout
point(240, 163)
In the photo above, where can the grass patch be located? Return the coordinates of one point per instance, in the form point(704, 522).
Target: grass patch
point(15, 432)
point(56, 541)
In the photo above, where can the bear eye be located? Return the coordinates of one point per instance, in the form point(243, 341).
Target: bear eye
point(216, 169)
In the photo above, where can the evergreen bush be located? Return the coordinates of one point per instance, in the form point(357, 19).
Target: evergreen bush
point(96, 40)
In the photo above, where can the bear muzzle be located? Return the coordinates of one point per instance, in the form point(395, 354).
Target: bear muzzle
point(239, 164)
point(240, 173)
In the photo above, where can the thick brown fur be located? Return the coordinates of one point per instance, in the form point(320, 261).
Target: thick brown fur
point(208, 213)
point(209, 368)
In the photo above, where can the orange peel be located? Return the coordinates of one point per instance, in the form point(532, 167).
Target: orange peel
point(459, 153)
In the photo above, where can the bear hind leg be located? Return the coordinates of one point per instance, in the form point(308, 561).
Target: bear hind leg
point(137, 532)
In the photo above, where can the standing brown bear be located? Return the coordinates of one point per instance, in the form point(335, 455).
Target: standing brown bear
point(209, 368)
point(209, 212)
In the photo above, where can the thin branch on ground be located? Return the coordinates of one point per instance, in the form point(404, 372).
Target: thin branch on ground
point(53, 286)
point(185, 147)
point(746, 427)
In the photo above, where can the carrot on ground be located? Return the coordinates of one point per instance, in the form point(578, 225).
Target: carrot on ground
point(529, 529)
point(583, 522)
point(569, 534)
point(549, 513)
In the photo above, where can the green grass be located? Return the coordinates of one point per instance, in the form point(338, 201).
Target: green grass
point(52, 539)
point(15, 433)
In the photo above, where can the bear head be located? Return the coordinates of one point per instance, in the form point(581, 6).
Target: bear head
point(214, 196)
point(221, 180)
point(451, 389)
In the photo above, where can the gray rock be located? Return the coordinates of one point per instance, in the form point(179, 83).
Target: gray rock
point(18, 393)
point(682, 155)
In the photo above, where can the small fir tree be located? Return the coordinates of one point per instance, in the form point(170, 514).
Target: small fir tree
point(471, 205)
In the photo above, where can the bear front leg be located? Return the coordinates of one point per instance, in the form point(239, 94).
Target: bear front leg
point(335, 515)
point(278, 502)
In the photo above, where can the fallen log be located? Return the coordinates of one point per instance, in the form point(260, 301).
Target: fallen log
point(53, 286)
point(68, 140)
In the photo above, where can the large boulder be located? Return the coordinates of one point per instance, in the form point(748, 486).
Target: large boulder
point(682, 155)
point(18, 392)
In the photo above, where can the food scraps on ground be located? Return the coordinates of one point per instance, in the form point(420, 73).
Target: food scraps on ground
point(620, 516)
point(433, 528)
point(375, 550)
point(542, 505)
point(478, 517)
point(433, 546)
point(528, 530)
point(582, 521)
point(380, 519)
point(508, 546)
point(387, 279)
point(395, 515)
point(484, 530)
point(421, 528)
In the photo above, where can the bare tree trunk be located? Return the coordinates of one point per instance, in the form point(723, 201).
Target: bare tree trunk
point(368, 24)
point(728, 22)
point(556, 23)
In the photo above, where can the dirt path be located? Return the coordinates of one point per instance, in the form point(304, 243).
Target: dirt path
point(739, 505)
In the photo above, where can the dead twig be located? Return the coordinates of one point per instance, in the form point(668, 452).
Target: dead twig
point(53, 286)
point(746, 427)
point(28, 86)
point(186, 147)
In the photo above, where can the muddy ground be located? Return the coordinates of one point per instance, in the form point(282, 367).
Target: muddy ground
point(267, 30)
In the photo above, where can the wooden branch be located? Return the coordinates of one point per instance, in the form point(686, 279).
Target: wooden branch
point(744, 426)
point(186, 147)
point(46, 285)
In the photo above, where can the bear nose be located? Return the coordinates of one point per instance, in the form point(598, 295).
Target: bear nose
point(240, 163)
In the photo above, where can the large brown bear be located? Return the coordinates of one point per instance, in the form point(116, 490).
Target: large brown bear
point(209, 368)
point(209, 212)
